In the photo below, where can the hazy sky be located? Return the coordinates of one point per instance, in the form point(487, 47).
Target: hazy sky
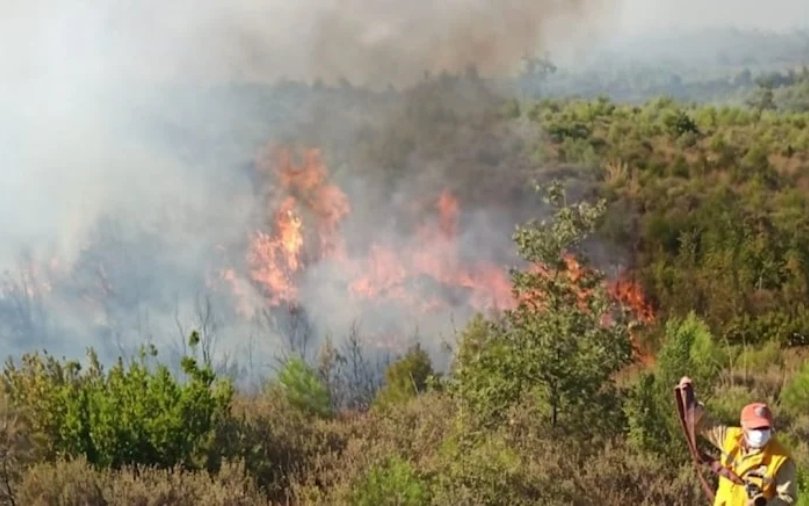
point(643, 15)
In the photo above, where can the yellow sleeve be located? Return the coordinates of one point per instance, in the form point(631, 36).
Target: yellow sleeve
point(708, 428)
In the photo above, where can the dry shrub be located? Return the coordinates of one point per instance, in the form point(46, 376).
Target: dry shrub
point(230, 487)
point(526, 463)
point(554, 473)
point(72, 483)
point(17, 450)
point(76, 483)
point(413, 431)
point(278, 443)
point(764, 386)
point(514, 465)
point(619, 475)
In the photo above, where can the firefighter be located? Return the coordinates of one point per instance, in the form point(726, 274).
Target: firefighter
point(753, 454)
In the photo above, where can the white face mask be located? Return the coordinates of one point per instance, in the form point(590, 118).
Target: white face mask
point(757, 438)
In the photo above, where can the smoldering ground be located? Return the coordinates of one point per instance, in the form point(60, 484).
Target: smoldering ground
point(123, 129)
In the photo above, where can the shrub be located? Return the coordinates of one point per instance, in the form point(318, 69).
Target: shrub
point(278, 442)
point(689, 350)
point(795, 395)
point(304, 389)
point(394, 482)
point(128, 415)
point(77, 483)
point(757, 359)
point(406, 378)
point(487, 470)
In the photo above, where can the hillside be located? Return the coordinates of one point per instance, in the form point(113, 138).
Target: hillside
point(676, 243)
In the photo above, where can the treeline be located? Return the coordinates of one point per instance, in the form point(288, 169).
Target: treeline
point(639, 84)
point(699, 65)
point(712, 66)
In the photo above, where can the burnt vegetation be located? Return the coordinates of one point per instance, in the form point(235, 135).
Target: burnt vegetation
point(694, 188)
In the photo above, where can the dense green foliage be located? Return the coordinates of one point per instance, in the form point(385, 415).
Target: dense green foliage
point(126, 416)
point(543, 404)
point(395, 482)
point(690, 350)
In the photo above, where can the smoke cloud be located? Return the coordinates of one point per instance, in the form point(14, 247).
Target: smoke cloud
point(124, 138)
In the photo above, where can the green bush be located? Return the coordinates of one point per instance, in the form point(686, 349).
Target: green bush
point(406, 378)
point(303, 389)
point(795, 394)
point(394, 483)
point(689, 350)
point(487, 470)
point(129, 415)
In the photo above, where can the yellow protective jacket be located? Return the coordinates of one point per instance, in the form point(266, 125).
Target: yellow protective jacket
point(773, 461)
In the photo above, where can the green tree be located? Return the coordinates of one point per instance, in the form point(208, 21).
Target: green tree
point(406, 377)
point(303, 388)
point(689, 350)
point(566, 338)
point(763, 99)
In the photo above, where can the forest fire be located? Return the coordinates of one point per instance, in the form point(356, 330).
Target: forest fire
point(308, 262)
point(307, 270)
point(307, 212)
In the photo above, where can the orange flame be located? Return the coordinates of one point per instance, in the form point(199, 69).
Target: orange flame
point(304, 217)
point(302, 193)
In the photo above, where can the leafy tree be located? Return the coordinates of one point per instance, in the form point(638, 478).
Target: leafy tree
point(763, 99)
point(303, 388)
point(564, 341)
point(406, 377)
